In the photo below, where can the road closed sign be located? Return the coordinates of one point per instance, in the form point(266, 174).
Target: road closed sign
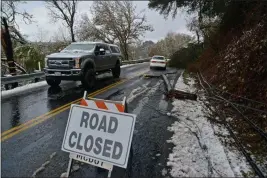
point(101, 134)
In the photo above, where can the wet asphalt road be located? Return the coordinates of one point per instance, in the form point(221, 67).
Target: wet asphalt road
point(24, 153)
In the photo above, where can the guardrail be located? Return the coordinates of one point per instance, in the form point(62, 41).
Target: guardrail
point(23, 77)
point(136, 61)
point(38, 75)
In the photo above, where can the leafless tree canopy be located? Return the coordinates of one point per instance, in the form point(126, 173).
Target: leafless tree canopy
point(10, 12)
point(170, 44)
point(63, 10)
point(114, 21)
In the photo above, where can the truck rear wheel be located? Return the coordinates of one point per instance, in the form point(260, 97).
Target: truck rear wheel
point(89, 79)
point(53, 82)
point(116, 71)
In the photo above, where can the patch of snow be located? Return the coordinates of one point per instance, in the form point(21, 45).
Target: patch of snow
point(180, 85)
point(40, 169)
point(158, 154)
point(137, 91)
point(198, 151)
point(75, 168)
point(128, 65)
point(23, 89)
point(228, 119)
point(7, 75)
point(164, 172)
point(64, 175)
point(145, 99)
point(45, 164)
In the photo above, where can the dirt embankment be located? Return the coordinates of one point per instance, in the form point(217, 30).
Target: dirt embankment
point(238, 65)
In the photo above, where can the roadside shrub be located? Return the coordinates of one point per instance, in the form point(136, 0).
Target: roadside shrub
point(28, 57)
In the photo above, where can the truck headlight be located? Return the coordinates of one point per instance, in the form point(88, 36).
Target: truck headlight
point(46, 61)
point(77, 63)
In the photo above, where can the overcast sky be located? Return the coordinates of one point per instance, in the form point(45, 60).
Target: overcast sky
point(38, 10)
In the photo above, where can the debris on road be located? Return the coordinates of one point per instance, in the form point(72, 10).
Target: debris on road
point(167, 83)
point(179, 94)
point(198, 151)
point(151, 76)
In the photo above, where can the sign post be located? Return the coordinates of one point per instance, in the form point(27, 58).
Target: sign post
point(99, 133)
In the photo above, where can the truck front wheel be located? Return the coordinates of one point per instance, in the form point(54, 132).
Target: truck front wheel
point(89, 79)
point(53, 82)
point(116, 71)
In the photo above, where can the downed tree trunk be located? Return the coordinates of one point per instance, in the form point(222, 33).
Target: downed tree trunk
point(7, 47)
point(178, 94)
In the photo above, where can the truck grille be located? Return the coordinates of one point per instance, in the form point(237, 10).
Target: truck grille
point(60, 63)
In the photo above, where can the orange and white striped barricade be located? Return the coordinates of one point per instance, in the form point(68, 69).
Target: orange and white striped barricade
point(114, 106)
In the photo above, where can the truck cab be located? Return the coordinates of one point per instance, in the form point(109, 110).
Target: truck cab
point(81, 61)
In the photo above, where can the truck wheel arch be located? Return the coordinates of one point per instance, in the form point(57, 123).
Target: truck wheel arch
point(87, 63)
point(118, 62)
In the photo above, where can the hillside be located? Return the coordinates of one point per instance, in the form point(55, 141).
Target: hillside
point(241, 66)
point(238, 69)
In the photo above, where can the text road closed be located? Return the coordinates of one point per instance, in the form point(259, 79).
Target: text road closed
point(104, 135)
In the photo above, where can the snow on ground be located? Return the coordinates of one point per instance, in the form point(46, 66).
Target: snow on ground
point(127, 65)
point(198, 151)
point(22, 89)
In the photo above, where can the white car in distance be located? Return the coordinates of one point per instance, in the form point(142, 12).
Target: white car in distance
point(158, 62)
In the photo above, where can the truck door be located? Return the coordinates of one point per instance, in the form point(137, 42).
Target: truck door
point(108, 58)
point(99, 58)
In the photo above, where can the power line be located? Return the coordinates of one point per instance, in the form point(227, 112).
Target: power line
point(259, 102)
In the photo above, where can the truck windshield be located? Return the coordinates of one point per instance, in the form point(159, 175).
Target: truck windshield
point(80, 47)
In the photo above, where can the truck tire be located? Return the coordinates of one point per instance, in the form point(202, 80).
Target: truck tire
point(53, 82)
point(89, 79)
point(116, 71)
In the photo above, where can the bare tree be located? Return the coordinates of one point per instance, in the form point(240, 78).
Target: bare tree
point(63, 10)
point(9, 11)
point(89, 31)
point(170, 44)
point(194, 26)
point(41, 35)
point(61, 35)
point(114, 21)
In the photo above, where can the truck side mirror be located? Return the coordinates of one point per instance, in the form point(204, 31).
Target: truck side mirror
point(101, 51)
